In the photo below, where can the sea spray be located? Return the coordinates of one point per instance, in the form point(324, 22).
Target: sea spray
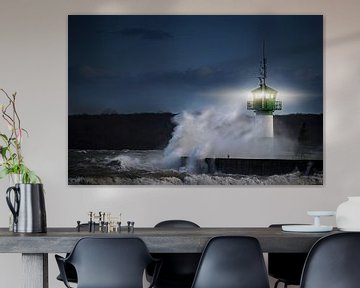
point(219, 132)
point(208, 134)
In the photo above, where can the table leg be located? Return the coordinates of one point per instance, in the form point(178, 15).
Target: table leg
point(35, 270)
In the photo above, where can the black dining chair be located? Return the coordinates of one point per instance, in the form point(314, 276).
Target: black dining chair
point(333, 262)
point(286, 267)
point(178, 269)
point(108, 263)
point(232, 262)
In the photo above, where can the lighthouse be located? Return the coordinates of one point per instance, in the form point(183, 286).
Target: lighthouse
point(264, 103)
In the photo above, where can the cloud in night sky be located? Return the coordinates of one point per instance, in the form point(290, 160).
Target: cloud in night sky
point(143, 33)
point(202, 77)
point(91, 73)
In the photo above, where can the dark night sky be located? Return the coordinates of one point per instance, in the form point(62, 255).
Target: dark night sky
point(133, 64)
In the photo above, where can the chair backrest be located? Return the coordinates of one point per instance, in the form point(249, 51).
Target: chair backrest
point(333, 262)
point(176, 224)
point(178, 269)
point(110, 262)
point(232, 262)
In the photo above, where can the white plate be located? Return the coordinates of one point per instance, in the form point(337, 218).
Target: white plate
point(306, 228)
point(350, 229)
point(321, 213)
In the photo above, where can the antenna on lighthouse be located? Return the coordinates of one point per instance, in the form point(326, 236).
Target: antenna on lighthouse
point(264, 62)
point(263, 67)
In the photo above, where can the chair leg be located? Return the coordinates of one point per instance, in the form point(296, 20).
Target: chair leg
point(278, 282)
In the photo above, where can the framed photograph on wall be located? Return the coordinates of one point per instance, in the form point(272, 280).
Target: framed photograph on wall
point(195, 100)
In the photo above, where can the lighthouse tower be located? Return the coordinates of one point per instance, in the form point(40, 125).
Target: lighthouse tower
point(264, 103)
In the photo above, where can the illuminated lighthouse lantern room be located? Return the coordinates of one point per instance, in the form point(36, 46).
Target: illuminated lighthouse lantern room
point(264, 104)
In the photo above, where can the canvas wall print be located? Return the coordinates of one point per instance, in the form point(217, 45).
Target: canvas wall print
point(195, 100)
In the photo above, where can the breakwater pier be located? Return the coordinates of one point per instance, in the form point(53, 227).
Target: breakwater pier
point(261, 167)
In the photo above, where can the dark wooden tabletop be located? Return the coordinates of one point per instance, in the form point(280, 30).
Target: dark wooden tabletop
point(158, 240)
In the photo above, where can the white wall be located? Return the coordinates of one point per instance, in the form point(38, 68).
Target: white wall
point(33, 62)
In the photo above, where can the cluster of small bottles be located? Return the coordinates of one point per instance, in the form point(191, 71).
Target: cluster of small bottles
point(104, 222)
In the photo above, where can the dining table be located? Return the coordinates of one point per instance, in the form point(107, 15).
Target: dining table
point(35, 247)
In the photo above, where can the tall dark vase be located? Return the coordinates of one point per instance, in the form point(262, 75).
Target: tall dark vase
point(27, 204)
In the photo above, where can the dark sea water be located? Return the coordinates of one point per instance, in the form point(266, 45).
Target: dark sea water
point(133, 167)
